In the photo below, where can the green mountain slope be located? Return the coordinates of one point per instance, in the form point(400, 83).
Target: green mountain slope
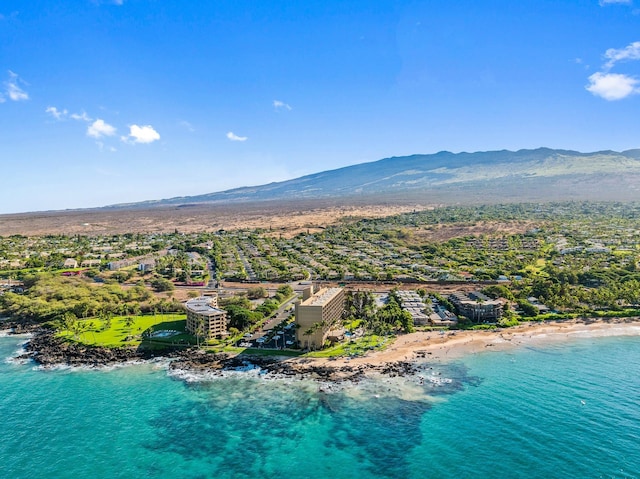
point(544, 172)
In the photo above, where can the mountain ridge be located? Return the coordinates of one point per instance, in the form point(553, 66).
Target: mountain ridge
point(442, 172)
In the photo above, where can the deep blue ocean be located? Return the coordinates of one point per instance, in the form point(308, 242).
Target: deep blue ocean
point(558, 411)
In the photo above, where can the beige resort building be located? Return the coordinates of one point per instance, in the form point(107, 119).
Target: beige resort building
point(317, 315)
point(476, 306)
point(204, 317)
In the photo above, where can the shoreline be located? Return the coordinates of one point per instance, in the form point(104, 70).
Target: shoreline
point(402, 358)
point(457, 344)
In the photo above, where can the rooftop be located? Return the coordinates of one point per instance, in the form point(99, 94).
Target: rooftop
point(202, 305)
point(322, 297)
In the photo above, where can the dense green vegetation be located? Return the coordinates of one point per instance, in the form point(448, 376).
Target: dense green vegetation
point(243, 316)
point(360, 307)
point(51, 297)
point(551, 260)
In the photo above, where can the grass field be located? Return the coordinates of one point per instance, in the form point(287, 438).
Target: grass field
point(162, 330)
point(132, 331)
point(357, 347)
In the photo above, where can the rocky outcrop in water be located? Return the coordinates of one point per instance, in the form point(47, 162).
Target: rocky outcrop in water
point(47, 350)
point(286, 367)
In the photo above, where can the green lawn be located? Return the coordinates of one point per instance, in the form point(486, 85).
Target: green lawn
point(356, 347)
point(537, 268)
point(120, 334)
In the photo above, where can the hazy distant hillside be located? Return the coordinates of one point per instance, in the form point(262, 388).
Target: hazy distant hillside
point(532, 174)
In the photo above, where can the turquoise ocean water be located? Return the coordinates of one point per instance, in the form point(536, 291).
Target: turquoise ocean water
point(558, 411)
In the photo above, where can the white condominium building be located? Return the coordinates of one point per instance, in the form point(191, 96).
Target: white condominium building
point(205, 319)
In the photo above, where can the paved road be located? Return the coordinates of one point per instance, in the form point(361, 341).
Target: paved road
point(281, 314)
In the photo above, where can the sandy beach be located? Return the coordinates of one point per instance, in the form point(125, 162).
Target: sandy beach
point(399, 359)
point(455, 344)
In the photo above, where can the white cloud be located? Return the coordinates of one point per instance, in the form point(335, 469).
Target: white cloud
point(614, 55)
point(13, 90)
point(612, 2)
point(142, 134)
point(62, 114)
point(233, 137)
point(612, 86)
point(615, 86)
point(280, 105)
point(99, 128)
point(80, 116)
point(57, 114)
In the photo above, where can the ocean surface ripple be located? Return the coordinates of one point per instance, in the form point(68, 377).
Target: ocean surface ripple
point(562, 410)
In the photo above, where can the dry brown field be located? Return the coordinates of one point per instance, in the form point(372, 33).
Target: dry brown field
point(286, 218)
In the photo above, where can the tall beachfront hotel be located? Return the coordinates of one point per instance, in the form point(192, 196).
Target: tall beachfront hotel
point(318, 314)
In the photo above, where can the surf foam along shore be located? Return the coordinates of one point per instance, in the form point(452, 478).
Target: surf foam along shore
point(404, 357)
point(453, 344)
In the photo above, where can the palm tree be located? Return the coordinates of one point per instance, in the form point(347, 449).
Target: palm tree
point(200, 332)
point(128, 321)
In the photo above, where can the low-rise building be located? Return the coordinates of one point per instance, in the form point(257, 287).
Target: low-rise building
point(147, 265)
point(441, 316)
point(116, 265)
point(70, 263)
point(477, 306)
point(412, 302)
point(317, 315)
point(204, 319)
point(90, 263)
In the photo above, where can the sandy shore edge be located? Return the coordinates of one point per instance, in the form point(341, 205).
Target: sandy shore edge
point(433, 345)
point(399, 359)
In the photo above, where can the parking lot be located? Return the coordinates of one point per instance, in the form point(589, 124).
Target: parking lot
point(275, 333)
point(275, 338)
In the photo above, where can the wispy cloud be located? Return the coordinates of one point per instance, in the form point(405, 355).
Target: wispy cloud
point(64, 114)
point(233, 137)
point(99, 129)
point(141, 134)
point(185, 124)
point(80, 116)
point(612, 86)
point(55, 113)
point(615, 55)
point(13, 90)
point(280, 105)
point(613, 2)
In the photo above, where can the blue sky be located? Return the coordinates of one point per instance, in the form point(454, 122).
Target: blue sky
point(111, 101)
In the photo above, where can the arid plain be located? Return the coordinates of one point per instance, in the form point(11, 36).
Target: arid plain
point(288, 217)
